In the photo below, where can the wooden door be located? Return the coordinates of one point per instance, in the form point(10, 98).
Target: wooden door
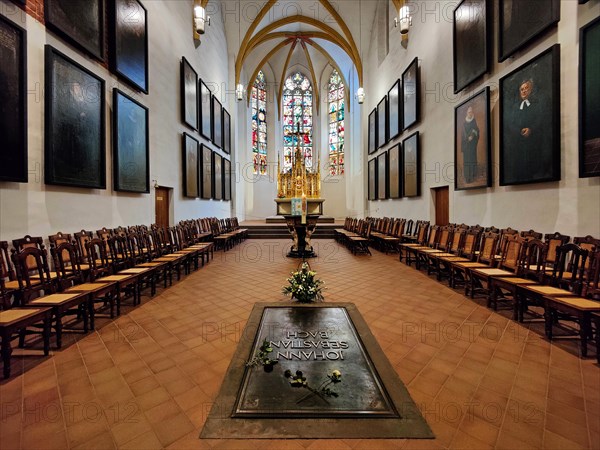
point(162, 207)
point(442, 206)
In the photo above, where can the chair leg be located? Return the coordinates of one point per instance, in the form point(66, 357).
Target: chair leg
point(6, 352)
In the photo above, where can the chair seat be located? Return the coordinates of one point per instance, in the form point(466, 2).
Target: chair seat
point(492, 272)
point(515, 280)
point(90, 287)
point(581, 303)
point(14, 315)
point(548, 290)
point(470, 265)
point(55, 299)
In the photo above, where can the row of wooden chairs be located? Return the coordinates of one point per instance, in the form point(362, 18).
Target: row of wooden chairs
point(518, 269)
point(356, 235)
point(106, 269)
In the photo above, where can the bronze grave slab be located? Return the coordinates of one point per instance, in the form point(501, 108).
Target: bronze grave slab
point(372, 401)
point(316, 341)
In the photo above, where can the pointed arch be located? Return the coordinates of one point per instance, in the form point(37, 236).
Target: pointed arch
point(264, 61)
point(285, 67)
point(313, 75)
point(297, 108)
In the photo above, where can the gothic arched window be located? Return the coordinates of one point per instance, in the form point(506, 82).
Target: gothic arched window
point(337, 113)
point(297, 110)
point(259, 124)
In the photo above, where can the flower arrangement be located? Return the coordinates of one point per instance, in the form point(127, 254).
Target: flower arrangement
point(303, 286)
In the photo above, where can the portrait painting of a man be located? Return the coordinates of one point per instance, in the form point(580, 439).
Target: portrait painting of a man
point(530, 121)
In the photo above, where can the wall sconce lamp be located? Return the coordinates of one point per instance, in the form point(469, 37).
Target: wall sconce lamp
point(360, 95)
point(155, 184)
point(239, 92)
point(404, 20)
point(200, 19)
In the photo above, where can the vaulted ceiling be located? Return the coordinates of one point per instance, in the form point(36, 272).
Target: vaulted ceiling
point(304, 35)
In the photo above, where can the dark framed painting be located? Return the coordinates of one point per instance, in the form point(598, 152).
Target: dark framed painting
point(382, 176)
point(75, 127)
point(19, 2)
point(217, 122)
point(395, 172)
point(131, 149)
point(472, 143)
point(79, 22)
point(372, 131)
point(394, 104)
point(226, 132)
point(217, 172)
point(189, 95)
point(206, 172)
point(530, 121)
point(521, 21)
point(191, 180)
point(205, 111)
point(411, 173)
point(471, 39)
point(128, 25)
point(382, 122)
point(372, 182)
point(410, 95)
point(226, 179)
point(589, 100)
point(13, 102)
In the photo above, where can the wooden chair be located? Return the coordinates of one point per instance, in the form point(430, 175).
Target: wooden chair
point(66, 265)
point(408, 243)
point(577, 309)
point(360, 244)
point(461, 271)
point(571, 260)
point(40, 293)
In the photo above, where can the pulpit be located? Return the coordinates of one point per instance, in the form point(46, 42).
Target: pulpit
point(299, 202)
point(301, 223)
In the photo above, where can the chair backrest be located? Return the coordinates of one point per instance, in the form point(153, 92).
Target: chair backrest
point(592, 287)
point(29, 242)
point(97, 258)
point(433, 236)
point(569, 269)
point(512, 252)
point(531, 234)
point(554, 240)
point(487, 250)
point(408, 228)
point(458, 240)
point(444, 237)
point(81, 238)
point(588, 243)
point(66, 264)
point(533, 261)
point(6, 267)
point(422, 233)
point(59, 238)
point(33, 273)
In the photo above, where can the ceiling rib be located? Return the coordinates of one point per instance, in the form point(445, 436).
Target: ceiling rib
point(312, 73)
point(285, 67)
point(264, 61)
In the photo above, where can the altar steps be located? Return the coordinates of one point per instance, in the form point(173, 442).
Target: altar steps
point(280, 231)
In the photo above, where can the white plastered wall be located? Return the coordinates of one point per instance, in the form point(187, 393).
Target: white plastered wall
point(571, 206)
point(40, 210)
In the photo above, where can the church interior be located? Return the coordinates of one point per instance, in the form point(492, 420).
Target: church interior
point(166, 165)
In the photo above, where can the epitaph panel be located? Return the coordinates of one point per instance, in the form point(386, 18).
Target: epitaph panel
point(315, 341)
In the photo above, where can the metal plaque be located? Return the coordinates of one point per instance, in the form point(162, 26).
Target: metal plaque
point(316, 341)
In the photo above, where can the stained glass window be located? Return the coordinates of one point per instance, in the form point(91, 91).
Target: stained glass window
point(259, 124)
point(336, 124)
point(297, 110)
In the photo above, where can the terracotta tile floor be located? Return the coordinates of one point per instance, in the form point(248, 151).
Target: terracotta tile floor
point(147, 379)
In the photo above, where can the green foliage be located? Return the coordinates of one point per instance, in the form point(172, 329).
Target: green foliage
point(304, 286)
point(262, 356)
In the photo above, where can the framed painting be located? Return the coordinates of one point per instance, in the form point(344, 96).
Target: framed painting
point(471, 42)
point(589, 100)
point(189, 95)
point(190, 167)
point(131, 151)
point(521, 21)
point(217, 122)
point(79, 22)
point(472, 143)
point(382, 176)
point(75, 129)
point(395, 172)
point(13, 102)
point(372, 179)
point(206, 172)
point(530, 121)
point(205, 111)
point(372, 131)
point(19, 2)
point(382, 122)
point(226, 132)
point(411, 173)
point(217, 172)
point(128, 25)
point(410, 95)
point(394, 123)
point(226, 179)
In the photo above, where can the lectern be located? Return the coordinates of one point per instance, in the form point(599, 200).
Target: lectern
point(301, 225)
